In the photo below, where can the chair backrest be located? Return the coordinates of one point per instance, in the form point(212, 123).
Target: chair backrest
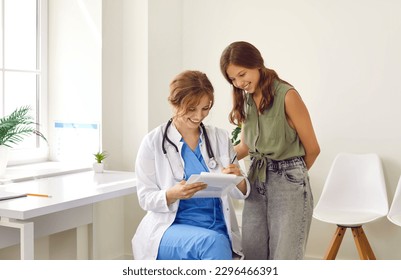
point(355, 182)
point(394, 215)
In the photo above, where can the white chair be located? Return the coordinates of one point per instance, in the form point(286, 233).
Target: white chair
point(354, 194)
point(394, 215)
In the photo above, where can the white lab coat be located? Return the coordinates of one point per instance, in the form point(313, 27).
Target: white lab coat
point(155, 176)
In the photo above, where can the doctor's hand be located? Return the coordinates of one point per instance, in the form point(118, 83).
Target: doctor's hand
point(183, 191)
point(234, 169)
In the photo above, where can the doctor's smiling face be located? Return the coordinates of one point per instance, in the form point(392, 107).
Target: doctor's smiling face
point(191, 95)
point(192, 115)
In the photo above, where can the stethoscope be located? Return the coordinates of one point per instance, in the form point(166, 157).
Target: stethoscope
point(212, 164)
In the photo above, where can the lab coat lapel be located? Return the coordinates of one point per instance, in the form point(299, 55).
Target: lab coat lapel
point(174, 157)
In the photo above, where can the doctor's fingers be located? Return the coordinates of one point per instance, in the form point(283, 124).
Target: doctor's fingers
point(232, 169)
point(189, 190)
point(194, 187)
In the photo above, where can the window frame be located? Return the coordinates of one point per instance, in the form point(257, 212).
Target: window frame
point(40, 153)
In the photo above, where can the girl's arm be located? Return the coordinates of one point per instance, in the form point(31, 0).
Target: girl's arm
point(298, 118)
point(241, 149)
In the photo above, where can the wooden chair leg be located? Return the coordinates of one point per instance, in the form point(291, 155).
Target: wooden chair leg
point(335, 243)
point(369, 251)
point(359, 242)
point(362, 244)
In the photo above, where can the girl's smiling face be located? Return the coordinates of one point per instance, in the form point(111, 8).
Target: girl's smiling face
point(244, 78)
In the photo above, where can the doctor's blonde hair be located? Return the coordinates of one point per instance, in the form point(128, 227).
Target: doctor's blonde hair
point(187, 89)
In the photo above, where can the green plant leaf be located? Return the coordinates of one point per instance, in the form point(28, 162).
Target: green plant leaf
point(18, 125)
point(100, 156)
point(235, 134)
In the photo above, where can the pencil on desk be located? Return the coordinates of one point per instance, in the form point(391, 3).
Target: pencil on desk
point(38, 194)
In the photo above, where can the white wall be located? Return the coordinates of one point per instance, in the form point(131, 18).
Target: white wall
point(124, 111)
point(165, 55)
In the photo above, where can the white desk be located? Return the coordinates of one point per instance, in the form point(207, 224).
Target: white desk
point(19, 173)
point(67, 208)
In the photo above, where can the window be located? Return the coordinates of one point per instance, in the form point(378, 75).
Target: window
point(23, 68)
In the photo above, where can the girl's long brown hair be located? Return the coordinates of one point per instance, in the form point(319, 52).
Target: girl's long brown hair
point(246, 55)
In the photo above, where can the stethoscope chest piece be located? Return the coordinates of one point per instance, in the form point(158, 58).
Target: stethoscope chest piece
point(212, 164)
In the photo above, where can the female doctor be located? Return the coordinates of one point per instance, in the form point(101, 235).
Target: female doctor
point(177, 225)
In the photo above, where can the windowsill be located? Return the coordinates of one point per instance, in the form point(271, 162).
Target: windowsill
point(41, 170)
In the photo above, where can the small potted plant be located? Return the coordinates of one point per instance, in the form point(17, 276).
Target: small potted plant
point(98, 165)
point(13, 129)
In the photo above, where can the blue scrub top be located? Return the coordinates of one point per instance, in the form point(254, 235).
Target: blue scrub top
point(201, 212)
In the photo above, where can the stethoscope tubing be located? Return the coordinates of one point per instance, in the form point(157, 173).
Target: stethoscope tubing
point(212, 162)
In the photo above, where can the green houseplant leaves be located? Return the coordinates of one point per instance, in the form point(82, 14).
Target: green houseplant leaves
point(16, 126)
point(235, 140)
point(100, 156)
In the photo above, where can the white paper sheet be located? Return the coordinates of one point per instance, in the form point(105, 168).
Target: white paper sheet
point(218, 183)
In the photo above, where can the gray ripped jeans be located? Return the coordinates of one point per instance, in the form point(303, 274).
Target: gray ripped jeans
point(277, 214)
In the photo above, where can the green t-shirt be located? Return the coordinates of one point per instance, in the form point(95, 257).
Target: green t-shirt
point(269, 135)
